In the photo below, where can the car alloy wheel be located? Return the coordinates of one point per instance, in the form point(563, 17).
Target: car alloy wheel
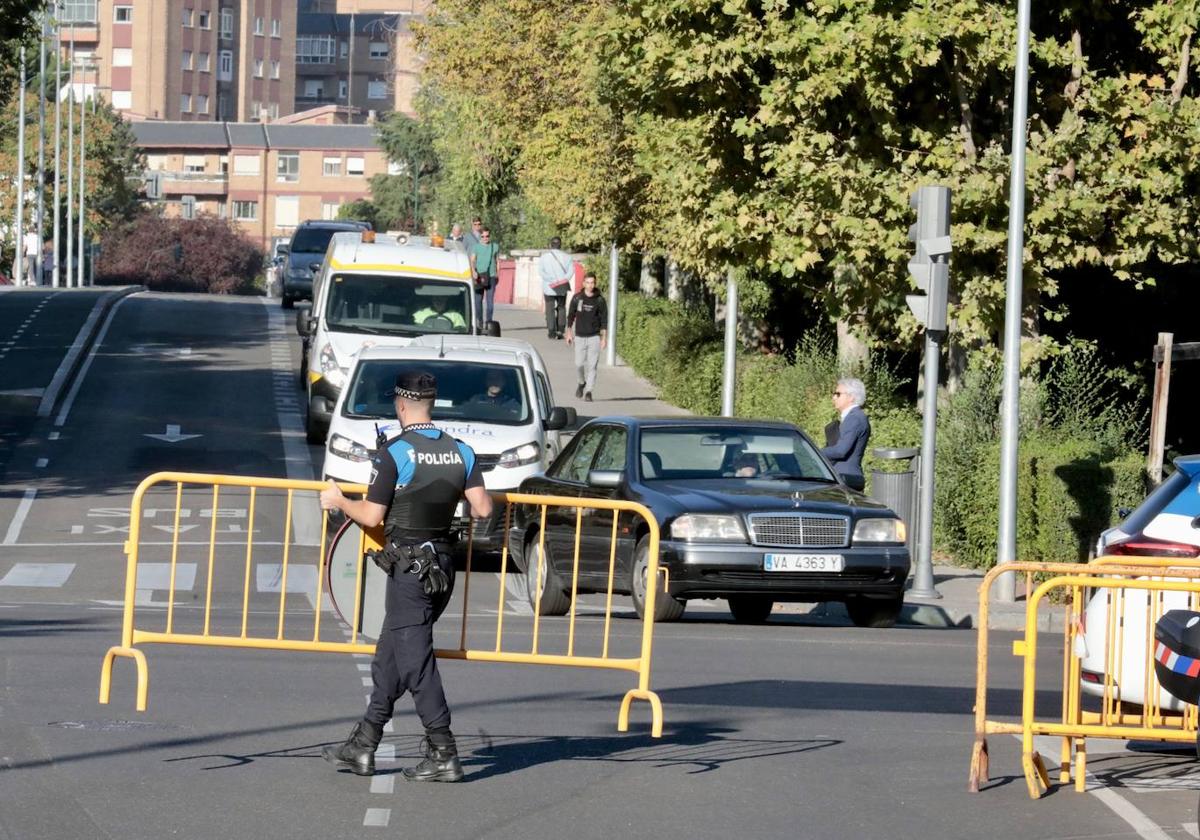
point(666, 607)
point(554, 598)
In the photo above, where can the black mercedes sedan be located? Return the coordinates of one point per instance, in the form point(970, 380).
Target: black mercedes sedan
point(748, 510)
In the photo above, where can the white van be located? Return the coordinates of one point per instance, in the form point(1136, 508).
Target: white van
point(493, 394)
point(377, 291)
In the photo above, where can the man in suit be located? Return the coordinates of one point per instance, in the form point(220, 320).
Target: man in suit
point(853, 432)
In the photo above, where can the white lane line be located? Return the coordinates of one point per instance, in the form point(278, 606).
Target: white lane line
point(54, 435)
point(362, 666)
point(18, 520)
point(377, 817)
point(83, 371)
point(385, 752)
point(158, 576)
point(42, 462)
point(383, 784)
point(1123, 808)
point(368, 682)
point(38, 574)
point(76, 529)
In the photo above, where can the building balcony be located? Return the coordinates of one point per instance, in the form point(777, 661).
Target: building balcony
point(195, 183)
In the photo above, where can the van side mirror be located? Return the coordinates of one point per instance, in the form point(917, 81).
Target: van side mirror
point(605, 478)
point(304, 322)
point(283, 250)
point(492, 329)
point(558, 419)
point(314, 267)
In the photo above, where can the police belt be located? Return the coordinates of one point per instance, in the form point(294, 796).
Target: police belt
point(407, 558)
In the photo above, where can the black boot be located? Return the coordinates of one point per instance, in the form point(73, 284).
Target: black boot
point(358, 751)
point(440, 763)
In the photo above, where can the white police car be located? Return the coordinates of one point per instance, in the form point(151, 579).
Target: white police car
point(493, 394)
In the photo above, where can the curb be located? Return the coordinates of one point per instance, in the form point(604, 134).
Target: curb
point(79, 348)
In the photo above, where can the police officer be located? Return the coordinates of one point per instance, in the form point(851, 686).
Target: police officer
point(417, 480)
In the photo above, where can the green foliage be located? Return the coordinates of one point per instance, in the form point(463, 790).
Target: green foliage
point(362, 210)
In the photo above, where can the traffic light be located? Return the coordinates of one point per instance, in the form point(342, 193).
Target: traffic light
point(930, 267)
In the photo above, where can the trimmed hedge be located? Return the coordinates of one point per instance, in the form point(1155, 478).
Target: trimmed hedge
point(1068, 489)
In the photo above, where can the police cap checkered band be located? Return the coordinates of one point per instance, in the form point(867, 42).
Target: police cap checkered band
point(416, 385)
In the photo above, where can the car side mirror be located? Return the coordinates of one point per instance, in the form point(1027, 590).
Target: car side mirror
point(314, 267)
point(492, 329)
point(605, 478)
point(304, 322)
point(558, 419)
point(283, 250)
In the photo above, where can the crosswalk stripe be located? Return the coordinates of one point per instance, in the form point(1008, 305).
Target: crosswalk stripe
point(38, 574)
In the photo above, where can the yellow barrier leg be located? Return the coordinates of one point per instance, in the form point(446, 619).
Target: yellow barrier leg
point(979, 765)
point(1064, 761)
point(656, 718)
point(1081, 765)
point(143, 674)
point(1036, 777)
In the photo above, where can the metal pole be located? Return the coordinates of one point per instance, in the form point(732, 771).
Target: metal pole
point(19, 280)
point(729, 376)
point(41, 172)
point(610, 355)
point(70, 249)
point(54, 270)
point(82, 184)
point(1006, 544)
point(923, 573)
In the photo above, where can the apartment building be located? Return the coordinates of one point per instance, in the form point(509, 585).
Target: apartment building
point(188, 60)
point(267, 178)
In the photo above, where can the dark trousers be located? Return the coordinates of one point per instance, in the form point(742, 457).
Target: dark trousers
point(485, 303)
point(556, 315)
point(855, 482)
point(404, 661)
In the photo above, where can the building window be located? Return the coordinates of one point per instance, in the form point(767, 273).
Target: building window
point(227, 23)
point(314, 49)
point(258, 68)
point(122, 100)
point(202, 63)
point(273, 111)
point(379, 49)
point(287, 210)
point(185, 103)
point(245, 211)
point(376, 89)
point(274, 27)
point(122, 57)
point(313, 88)
point(122, 14)
point(342, 88)
point(201, 103)
point(245, 164)
point(187, 17)
point(287, 166)
point(331, 166)
point(355, 166)
point(186, 59)
point(258, 26)
point(274, 69)
point(345, 49)
point(77, 11)
point(330, 210)
point(193, 163)
point(223, 160)
point(202, 19)
point(225, 71)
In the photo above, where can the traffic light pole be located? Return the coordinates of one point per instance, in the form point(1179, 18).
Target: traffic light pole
point(923, 586)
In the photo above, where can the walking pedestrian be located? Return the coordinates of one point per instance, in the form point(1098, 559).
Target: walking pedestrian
point(32, 249)
point(47, 262)
point(417, 480)
point(587, 329)
point(556, 270)
point(484, 268)
point(472, 237)
point(853, 432)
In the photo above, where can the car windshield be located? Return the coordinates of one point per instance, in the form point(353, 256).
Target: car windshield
point(733, 452)
point(312, 240)
point(466, 391)
point(374, 303)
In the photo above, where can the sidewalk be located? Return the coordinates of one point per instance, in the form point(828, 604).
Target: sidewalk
point(621, 391)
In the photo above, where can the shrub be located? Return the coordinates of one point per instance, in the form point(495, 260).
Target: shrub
point(205, 254)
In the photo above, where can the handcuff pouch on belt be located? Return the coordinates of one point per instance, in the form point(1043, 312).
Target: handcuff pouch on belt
point(420, 560)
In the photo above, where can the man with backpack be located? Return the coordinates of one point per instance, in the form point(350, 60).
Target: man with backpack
point(556, 270)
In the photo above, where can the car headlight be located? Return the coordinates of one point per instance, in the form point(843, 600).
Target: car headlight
point(330, 369)
point(519, 456)
point(349, 449)
point(879, 531)
point(707, 527)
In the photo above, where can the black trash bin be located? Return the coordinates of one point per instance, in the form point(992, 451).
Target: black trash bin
point(898, 490)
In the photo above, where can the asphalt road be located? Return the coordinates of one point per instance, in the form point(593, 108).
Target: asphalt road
point(804, 727)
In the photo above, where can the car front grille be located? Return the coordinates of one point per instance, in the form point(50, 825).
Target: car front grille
point(486, 462)
point(799, 530)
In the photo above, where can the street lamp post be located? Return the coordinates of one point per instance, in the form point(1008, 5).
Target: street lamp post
point(20, 261)
point(82, 184)
point(41, 170)
point(70, 261)
point(54, 270)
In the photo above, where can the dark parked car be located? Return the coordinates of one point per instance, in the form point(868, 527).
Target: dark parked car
point(304, 253)
point(748, 510)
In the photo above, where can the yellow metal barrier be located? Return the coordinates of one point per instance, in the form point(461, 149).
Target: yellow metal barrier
point(241, 634)
point(1112, 575)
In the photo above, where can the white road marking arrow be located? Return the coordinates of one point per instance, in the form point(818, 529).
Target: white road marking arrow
point(173, 435)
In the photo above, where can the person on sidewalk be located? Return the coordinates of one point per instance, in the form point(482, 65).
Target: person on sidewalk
point(417, 481)
point(33, 249)
point(48, 263)
point(485, 269)
point(854, 430)
point(556, 270)
point(587, 329)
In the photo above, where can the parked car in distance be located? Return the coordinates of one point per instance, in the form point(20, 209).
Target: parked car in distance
point(303, 254)
point(1165, 524)
point(748, 511)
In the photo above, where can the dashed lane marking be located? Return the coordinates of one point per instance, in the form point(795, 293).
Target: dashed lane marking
point(18, 520)
point(377, 817)
point(50, 575)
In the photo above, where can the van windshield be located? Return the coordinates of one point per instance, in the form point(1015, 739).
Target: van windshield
point(375, 303)
point(466, 391)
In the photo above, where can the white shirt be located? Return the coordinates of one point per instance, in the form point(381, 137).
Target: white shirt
point(32, 246)
point(847, 411)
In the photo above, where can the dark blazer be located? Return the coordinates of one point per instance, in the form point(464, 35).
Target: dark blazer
point(846, 453)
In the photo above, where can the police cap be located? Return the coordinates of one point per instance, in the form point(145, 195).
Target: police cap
point(416, 385)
